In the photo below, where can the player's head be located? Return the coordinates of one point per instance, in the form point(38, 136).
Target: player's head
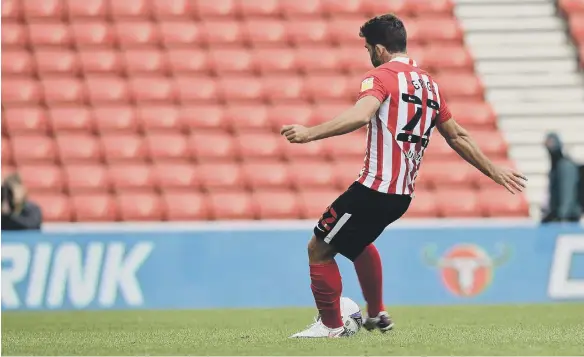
point(384, 35)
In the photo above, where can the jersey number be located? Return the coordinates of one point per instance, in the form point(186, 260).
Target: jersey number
point(413, 123)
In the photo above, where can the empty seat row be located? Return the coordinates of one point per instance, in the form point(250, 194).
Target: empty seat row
point(34, 9)
point(204, 146)
point(159, 118)
point(46, 62)
point(100, 90)
point(133, 33)
point(309, 204)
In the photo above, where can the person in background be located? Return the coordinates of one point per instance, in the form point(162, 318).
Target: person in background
point(18, 213)
point(564, 178)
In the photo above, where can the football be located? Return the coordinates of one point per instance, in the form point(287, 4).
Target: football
point(351, 314)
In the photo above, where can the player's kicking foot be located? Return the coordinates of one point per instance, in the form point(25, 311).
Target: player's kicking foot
point(382, 322)
point(319, 330)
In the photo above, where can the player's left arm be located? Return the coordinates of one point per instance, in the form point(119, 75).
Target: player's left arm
point(348, 121)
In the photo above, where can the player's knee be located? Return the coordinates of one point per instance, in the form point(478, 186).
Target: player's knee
point(319, 251)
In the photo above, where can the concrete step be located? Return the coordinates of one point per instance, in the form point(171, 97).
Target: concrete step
point(493, 81)
point(510, 9)
point(575, 93)
point(551, 37)
point(523, 52)
point(532, 137)
point(538, 152)
point(547, 109)
point(542, 124)
point(499, 2)
point(533, 167)
point(564, 65)
point(504, 26)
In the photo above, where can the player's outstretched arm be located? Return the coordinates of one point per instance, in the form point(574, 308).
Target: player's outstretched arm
point(459, 140)
point(348, 121)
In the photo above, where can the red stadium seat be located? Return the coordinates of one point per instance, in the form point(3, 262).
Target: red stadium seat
point(11, 9)
point(333, 87)
point(140, 206)
point(70, 118)
point(13, 34)
point(424, 205)
point(285, 114)
point(259, 146)
point(475, 114)
point(308, 32)
point(216, 146)
point(262, 32)
point(188, 60)
point(219, 33)
point(83, 178)
point(181, 32)
point(459, 58)
point(42, 9)
point(59, 90)
point(7, 169)
point(49, 33)
point(137, 33)
point(221, 176)
point(310, 150)
point(358, 63)
point(202, 117)
point(7, 158)
point(106, 89)
point(274, 60)
point(311, 174)
point(92, 33)
point(176, 176)
point(47, 177)
point(231, 205)
point(432, 7)
point(100, 61)
point(20, 120)
point(94, 207)
point(20, 90)
point(345, 31)
point(259, 8)
point(345, 147)
point(172, 9)
point(266, 175)
point(123, 147)
point(345, 7)
point(301, 8)
point(284, 88)
point(240, 89)
point(346, 172)
point(447, 174)
point(460, 85)
point(78, 148)
point(457, 203)
point(167, 146)
point(197, 88)
point(441, 29)
point(318, 60)
point(225, 61)
point(247, 117)
point(87, 8)
point(56, 61)
point(152, 89)
point(128, 176)
point(500, 203)
point(145, 60)
point(215, 8)
point(32, 148)
point(276, 204)
point(17, 62)
point(491, 143)
point(185, 206)
point(376, 7)
point(155, 118)
point(438, 150)
point(115, 118)
point(55, 207)
point(313, 203)
point(326, 112)
point(130, 8)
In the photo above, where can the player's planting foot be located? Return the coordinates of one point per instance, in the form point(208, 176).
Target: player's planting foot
point(382, 322)
point(319, 330)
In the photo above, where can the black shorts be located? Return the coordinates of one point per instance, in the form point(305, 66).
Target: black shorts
point(357, 217)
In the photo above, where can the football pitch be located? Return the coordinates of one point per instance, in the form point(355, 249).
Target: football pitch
point(457, 330)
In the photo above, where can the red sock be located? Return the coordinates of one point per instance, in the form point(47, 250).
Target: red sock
point(327, 288)
point(368, 267)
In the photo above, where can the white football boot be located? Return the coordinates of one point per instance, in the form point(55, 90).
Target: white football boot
point(319, 330)
point(383, 322)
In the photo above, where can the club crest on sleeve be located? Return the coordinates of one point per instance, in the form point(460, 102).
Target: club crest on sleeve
point(367, 84)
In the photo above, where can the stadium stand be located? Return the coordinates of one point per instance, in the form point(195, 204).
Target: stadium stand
point(169, 110)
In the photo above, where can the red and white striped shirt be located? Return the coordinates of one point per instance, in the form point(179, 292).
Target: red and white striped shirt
point(398, 134)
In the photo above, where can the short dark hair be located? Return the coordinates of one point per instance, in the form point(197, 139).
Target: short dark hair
point(386, 30)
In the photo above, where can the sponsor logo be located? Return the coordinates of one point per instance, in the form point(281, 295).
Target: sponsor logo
point(466, 270)
point(367, 84)
point(566, 281)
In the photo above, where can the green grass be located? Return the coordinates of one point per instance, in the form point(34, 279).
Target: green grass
point(459, 330)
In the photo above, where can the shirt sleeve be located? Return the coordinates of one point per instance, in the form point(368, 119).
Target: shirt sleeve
point(444, 113)
point(372, 85)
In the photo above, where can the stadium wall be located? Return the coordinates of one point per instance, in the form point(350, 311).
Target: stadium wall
point(233, 265)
